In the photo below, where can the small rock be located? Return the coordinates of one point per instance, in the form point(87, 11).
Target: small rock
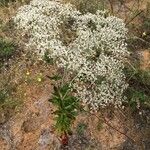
point(31, 124)
point(48, 140)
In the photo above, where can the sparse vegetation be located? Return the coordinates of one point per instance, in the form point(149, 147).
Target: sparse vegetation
point(66, 110)
point(9, 104)
point(89, 5)
point(5, 2)
point(81, 127)
point(7, 49)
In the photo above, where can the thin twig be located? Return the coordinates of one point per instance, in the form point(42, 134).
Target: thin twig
point(107, 123)
point(134, 17)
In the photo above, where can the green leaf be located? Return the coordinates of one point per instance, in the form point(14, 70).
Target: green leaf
point(64, 89)
point(47, 59)
point(66, 108)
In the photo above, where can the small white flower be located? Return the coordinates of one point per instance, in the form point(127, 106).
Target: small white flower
point(95, 54)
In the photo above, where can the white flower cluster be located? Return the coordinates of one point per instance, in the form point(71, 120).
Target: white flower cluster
point(92, 46)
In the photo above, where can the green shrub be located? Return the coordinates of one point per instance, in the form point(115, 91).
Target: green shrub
point(146, 24)
point(139, 87)
point(66, 108)
point(140, 77)
point(9, 104)
point(7, 50)
point(137, 98)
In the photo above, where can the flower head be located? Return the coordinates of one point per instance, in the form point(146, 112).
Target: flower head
point(91, 46)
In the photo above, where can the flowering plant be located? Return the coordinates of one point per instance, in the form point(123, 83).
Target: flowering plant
point(91, 47)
